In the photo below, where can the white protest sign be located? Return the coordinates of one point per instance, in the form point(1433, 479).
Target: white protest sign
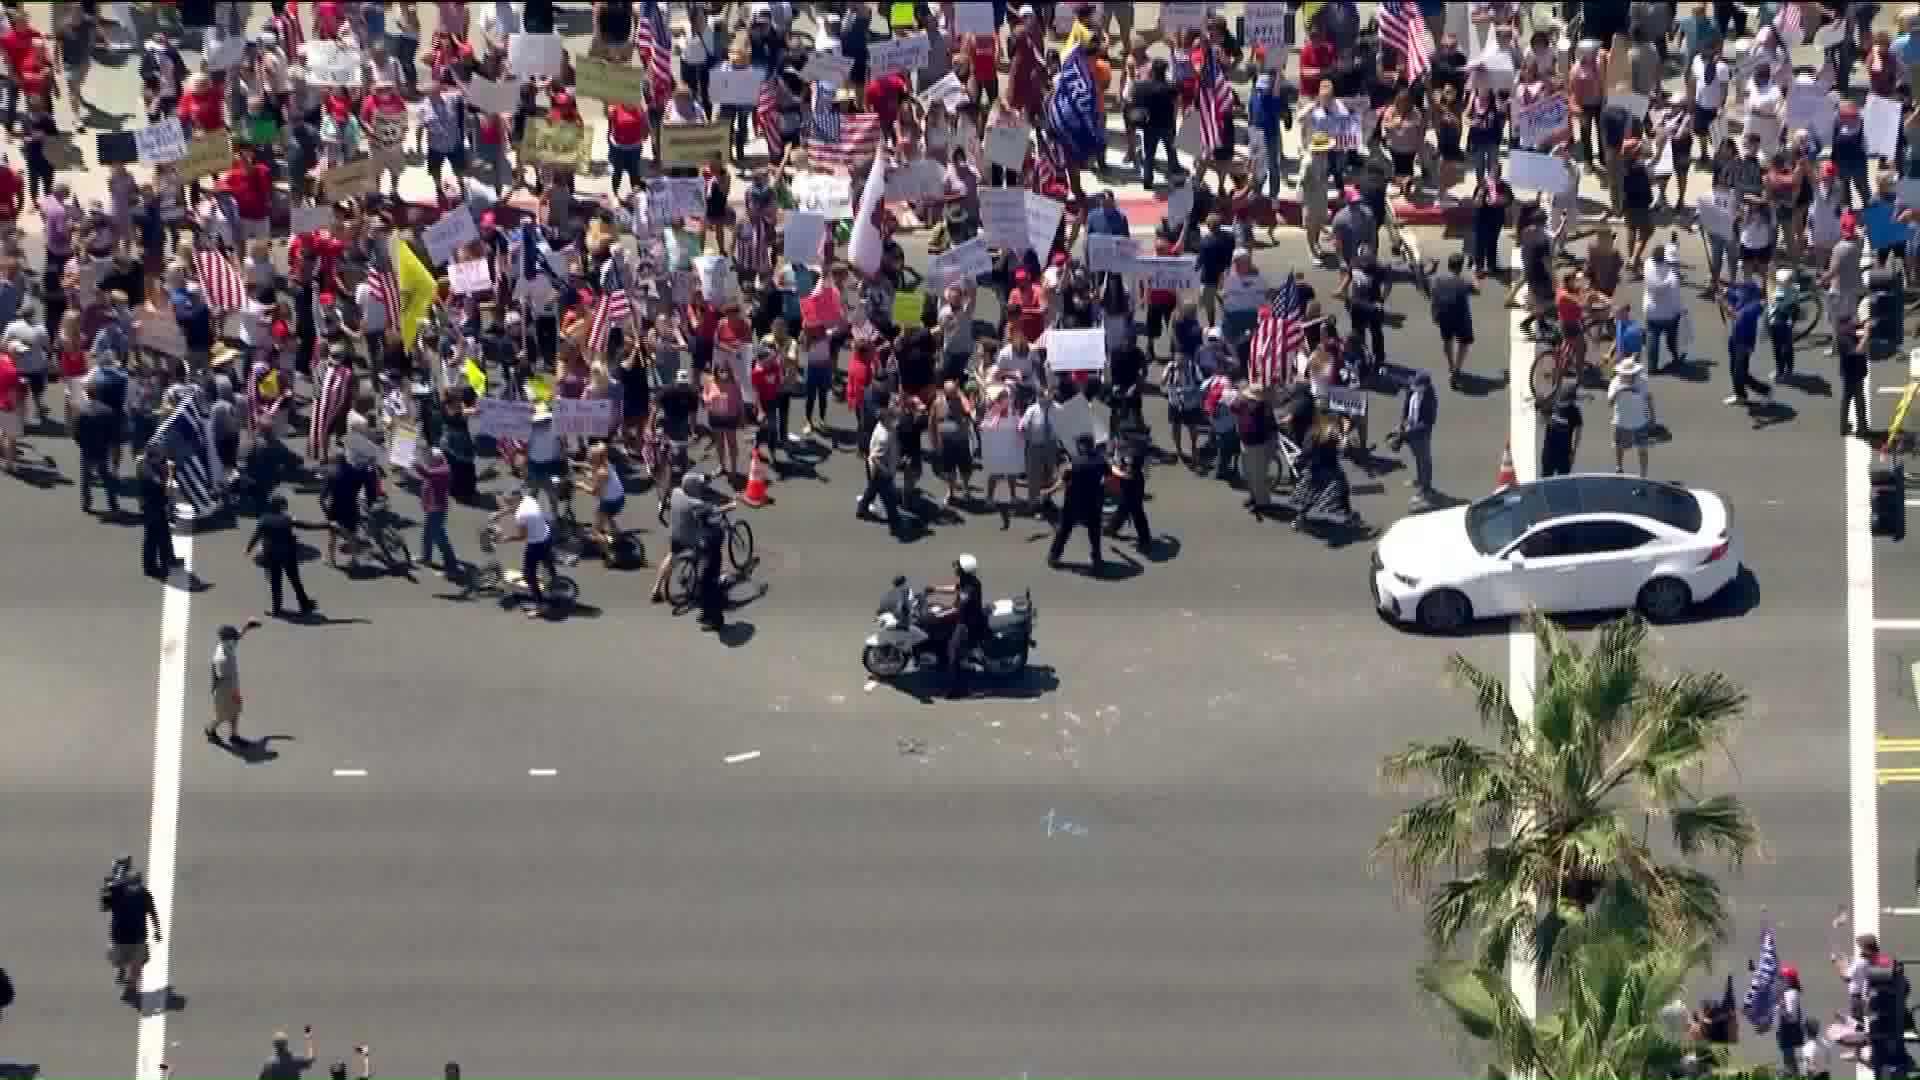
point(403, 446)
point(503, 419)
point(1006, 144)
point(1497, 64)
point(898, 54)
point(1809, 107)
point(445, 238)
point(1347, 401)
point(917, 181)
point(470, 277)
point(226, 54)
point(805, 230)
point(1043, 219)
point(1882, 119)
point(823, 194)
point(1075, 350)
point(736, 86)
point(674, 197)
point(1663, 165)
point(306, 219)
point(1542, 122)
point(1634, 105)
point(491, 96)
point(827, 67)
point(1178, 18)
point(328, 64)
point(1003, 452)
point(1107, 252)
point(582, 417)
point(1266, 26)
point(162, 144)
point(1003, 217)
point(1716, 213)
point(712, 270)
point(1243, 292)
point(947, 92)
point(532, 56)
point(1530, 171)
point(961, 263)
point(1167, 271)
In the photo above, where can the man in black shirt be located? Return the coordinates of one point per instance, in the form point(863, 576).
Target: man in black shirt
point(1850, 340)
point(1562, 440)
point(280, 551)
point(1536, 268)
point(1449, 67)
point(677, 404)
point(130, 908)
point(1085, 482)
point(156, 534)
point(93, 430)
point(1135, 448)
point(969, 620)
point(1452, 311)
point(1152, 110)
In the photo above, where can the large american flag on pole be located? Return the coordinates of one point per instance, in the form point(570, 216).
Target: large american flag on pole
point(1787, 23)
point(653, 42)
point(387, 292)
point(226, 289)
point(1404, 30)
point(1214, 102)
point(840, 140)
point(1761, 987)
point(330, 399)
point(1279, 334)
point(185, 437)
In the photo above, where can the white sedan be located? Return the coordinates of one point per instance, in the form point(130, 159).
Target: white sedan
point(1595, 542)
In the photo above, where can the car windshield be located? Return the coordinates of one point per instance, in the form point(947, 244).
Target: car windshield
point(1505, 516)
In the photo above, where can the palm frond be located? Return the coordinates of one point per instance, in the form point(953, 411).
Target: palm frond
point(1490, 699)
point(1719, 824)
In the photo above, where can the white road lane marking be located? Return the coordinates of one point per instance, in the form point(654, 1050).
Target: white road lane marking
point(1522, 663)
point(353, 773)
point(1896, 624)
point(736, 759)
point(543, 772)
point(163, 826)
point(1863, 789)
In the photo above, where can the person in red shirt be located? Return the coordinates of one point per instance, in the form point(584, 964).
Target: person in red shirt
point(886, 94)
point(984, 51)
point(490, 136)
point(1027, 76)
point(12, 412)
point(1161, 302)
point(328, 16)
point(1316, 57)
point(627, 131)
point(19, 43)
point(250, 182)
point(201, 107)
point(12, 197)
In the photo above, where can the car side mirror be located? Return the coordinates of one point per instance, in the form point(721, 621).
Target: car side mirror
point(1515, 558)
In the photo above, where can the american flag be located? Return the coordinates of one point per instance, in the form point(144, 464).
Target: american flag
point(264, 395)
point(766, 116)
point(654, 44)
point(226, 289)
point(840, 140)
point(1278, 336)
point(1073, 109)
point(1214, 102)
point(1404, 30)
point(614, 306)
point(1761, 988)
point(387, 292)
point(287, 27)
point(330, 399)
point(1787, 23)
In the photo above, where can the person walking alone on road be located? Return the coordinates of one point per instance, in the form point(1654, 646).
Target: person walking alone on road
point(1085, 483)
point(130, 910)
point(156, 507)
point(225, 672)
point(281, 554)
point(1850, 341)
point(1418, 414)
point(1452, 309)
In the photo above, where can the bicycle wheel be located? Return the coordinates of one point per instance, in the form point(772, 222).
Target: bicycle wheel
point(680, 582)
point(393, 547)
point(739, 546)
point(1544, 381)
point(1806, 317)
point(559, 590)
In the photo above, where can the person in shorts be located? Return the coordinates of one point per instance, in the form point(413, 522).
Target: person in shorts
point(1631, 397)
point(130, 910)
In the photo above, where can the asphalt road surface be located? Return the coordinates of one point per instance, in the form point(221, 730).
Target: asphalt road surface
point(1148, 857)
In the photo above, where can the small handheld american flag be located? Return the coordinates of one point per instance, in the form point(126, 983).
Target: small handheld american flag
point(1404, 30)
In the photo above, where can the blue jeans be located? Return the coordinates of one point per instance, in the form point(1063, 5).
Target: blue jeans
point(434, 535)
point(1273, 162)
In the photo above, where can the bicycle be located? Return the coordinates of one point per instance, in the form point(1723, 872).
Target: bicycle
point(1557, 358)
point(382, 527)
point(491, 578)
point(682, 577)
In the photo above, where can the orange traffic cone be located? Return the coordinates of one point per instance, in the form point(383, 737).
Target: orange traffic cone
point(1506, 477)
point(756, 494)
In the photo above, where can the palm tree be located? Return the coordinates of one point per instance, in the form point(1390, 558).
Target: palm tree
point(1610, 1023)
point(1519, 839)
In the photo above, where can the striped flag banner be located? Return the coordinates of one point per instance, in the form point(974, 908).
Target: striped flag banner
point(1404, 30)
point(186, 438)
point(387, 292)
point(1073, 108)
point(840, 140)
point(1267, 358)
point(1291, 306)
point(1215, 104)
point(766, 116)
point(264, 396)
point(226, 289)
point(330, 401)
point(1758, 1003)
point(653, 42)
point(613, 307)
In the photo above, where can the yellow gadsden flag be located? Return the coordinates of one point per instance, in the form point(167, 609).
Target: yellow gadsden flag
point(417, 289)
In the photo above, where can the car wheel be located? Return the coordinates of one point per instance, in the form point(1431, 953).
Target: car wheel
point(1445, 612)
point(1664, 599)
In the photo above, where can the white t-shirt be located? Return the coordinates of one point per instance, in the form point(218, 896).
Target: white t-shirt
point(531, 518)
point(1632, 408)
point(1757, 231)
point(1663, 299)
point(1024, 367)
point(1035, 423)
point(373, 312)
point(1710, 96)
point(1763, 100)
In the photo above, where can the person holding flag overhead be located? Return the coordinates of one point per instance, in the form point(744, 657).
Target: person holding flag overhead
point(1073, 114)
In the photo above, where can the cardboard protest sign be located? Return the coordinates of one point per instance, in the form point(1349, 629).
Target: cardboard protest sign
point(561, 145)
point(693, 145)
point(608, 81)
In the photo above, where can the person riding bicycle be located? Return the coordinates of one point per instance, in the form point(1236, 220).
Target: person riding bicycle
point(967, 611)
point(688, 508)
point(534, 530)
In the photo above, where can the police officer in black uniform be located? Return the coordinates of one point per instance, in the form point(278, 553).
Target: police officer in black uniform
point(280, 551)
point(1085, 481)
point(1135, 448)
point(969, 615)
point(156, 525)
